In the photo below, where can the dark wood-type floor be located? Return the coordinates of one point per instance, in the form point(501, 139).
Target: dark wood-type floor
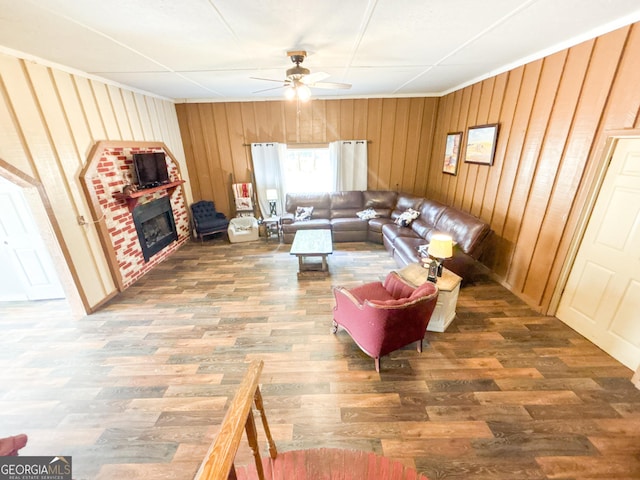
point(138, 389)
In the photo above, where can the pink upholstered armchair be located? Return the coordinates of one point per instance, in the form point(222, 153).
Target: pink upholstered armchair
point(383, 317)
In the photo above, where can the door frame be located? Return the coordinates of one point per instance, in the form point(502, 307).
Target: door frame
point(38, 203)
point(601, 169)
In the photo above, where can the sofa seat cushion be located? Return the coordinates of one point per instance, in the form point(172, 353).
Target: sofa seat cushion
point(407, 248)
point(391, 231)
point(342, 224)
point(314, 223)
point(376, 224)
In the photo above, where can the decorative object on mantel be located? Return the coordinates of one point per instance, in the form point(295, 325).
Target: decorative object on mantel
point(133, 197)
point(129, 190)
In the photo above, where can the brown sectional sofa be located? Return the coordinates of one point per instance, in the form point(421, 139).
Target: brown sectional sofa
point(337, 211)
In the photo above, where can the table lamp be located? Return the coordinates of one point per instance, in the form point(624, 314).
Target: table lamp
point(440, 247)
point(272, 197)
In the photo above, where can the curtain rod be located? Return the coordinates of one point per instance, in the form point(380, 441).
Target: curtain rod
point(303, 143)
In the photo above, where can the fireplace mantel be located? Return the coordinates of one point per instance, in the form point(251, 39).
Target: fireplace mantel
point(132, 198)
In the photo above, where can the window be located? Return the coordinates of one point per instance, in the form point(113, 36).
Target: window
point(307, 170)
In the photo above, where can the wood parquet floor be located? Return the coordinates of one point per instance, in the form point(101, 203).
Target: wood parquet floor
point(138, 389)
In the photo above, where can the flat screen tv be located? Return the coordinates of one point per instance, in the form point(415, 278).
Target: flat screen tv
point(151, 169)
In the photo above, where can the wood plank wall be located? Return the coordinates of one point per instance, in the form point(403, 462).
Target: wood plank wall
point(554, 115)
point(215, 135)
point(49, 120)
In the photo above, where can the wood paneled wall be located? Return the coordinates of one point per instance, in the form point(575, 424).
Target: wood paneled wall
point(49, 120)
point(554, 116)
point(215, 136)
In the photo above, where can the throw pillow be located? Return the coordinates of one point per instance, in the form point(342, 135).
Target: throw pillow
point(367, 214)
point(303, 213)
point(405, 218)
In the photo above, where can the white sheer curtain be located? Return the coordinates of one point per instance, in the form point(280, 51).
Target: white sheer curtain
point(266, 169)
point(349, 162)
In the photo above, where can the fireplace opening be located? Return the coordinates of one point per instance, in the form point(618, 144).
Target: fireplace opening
point(155, 225)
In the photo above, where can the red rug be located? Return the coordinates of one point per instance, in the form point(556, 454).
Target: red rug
point(329, 464)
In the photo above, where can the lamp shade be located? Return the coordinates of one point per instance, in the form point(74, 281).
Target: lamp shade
point(272, 194)
point(440, 246)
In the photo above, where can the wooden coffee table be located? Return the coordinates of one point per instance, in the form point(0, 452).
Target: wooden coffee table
point(308, 244)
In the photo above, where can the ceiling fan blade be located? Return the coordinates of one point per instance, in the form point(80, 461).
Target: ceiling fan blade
point(270, 88)
point(330, 85)
point(314, 78)
point(267, 79)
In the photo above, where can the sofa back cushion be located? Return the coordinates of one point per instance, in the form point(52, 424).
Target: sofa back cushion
point(345, 204)
point(382, 201)
point(466, 230)
point(430, 212)
point(319, 201)
point(404, 203)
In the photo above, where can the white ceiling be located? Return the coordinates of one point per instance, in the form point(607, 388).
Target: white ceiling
point(191, 50)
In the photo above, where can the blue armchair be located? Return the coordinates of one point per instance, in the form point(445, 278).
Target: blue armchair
point(206, 220)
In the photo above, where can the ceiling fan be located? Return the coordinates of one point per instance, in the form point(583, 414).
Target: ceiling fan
point(299, 79)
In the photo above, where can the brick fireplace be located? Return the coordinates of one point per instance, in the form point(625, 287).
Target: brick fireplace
point(137, 233)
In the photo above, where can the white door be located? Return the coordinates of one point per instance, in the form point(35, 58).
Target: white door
point(602, 297)
point(27, 271)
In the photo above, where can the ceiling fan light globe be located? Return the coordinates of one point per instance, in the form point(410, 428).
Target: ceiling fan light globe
point(289, 93)
point(304, 93)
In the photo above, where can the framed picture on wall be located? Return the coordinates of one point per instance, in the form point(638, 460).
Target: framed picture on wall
point(452, 153)
point(481, 144)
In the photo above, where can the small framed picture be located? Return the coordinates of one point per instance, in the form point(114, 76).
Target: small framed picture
point(452, 153)
point(481, 144)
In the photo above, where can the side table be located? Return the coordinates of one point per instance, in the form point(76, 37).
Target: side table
point(448, 285)
point(272, 227)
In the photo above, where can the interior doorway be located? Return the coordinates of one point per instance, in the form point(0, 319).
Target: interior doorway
point(46, 259)
point(601, 299)
point(28, 272)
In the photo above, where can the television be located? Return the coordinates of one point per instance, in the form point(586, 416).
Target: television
point(151, 169)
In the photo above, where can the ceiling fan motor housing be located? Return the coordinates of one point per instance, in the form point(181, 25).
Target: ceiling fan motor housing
point(297, 57)
point(297, 72)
